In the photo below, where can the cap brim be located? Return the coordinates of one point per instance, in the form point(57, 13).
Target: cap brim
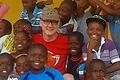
point(96, 20)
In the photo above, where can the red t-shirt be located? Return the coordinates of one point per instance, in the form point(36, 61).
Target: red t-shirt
point(57, 51)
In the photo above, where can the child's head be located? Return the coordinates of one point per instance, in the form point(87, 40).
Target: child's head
point(29, 4)
point(67, 9)
point(5, 27)
point(75, 43)
point(82, 4)
point(96, 27)
point(22, 25)
point(68, 76)
point(37, 57)
point(6, 64)
point(21, 64)
point(21, 41)
point(97, 69)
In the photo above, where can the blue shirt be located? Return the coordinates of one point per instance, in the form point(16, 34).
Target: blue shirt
point(36, 18)
point(48, 74)
point(115, 31)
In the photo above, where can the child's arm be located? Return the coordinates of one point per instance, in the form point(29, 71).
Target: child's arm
point(92, 45)
point(107, 9)
point(93, 10)
point(113, 68)
point(42, 4)
point(3, 10)
point(106, 78)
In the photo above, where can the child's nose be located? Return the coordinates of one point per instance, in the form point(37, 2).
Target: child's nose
point(37, 58)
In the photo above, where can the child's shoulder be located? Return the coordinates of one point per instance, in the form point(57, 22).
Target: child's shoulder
point(51, 70)
point(109, 42)
point(109, 45)
point(23, 77)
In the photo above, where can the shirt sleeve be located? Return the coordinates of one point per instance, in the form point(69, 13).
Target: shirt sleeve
point(113, 53)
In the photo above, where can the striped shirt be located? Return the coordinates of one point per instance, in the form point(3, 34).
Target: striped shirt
point(36, 18)
point(108, 52)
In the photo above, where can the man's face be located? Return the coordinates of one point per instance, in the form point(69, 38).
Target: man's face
point(49, 27)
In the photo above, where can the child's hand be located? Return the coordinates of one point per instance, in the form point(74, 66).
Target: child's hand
point(69, 28)
point(106, 78)
point(41, 4)
point(93, 43)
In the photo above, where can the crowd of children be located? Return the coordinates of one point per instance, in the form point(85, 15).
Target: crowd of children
point(65, 43)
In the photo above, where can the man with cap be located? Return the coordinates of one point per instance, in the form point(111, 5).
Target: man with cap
point(55, 43)
point(100, 48)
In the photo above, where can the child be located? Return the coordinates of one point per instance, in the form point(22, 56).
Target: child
point(6, 66)
point(5, 36)
point(112, 10)
point(37, 58)
point(22, 25)
point(21, 65)
point(99, 47)
point(21, 42)
point(81, 17)
point(31, 13)
point(75, 58)
point(67, 22)
point(97, 70)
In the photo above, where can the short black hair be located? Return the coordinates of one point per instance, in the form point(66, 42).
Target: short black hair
point(94, 61)
point(41, 46)
point(78, 34)
point(7, 24)
point(8, 56)
point(72, 4)
point(23, 21)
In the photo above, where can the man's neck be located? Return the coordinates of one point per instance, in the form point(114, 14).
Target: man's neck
point(48, 38)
